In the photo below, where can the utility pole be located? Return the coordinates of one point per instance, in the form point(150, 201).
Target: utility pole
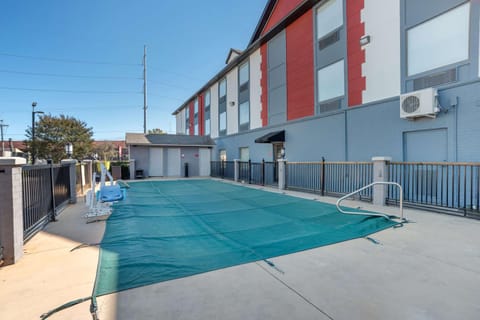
point(1, 129)
point(145, 89)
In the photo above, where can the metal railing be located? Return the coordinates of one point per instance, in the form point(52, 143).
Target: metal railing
point(390, 184)
point(46, 188)
point(223, 169)
point(448, 187)
point(330, 178)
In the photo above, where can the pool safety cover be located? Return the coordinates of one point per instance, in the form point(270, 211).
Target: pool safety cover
point(166, 230)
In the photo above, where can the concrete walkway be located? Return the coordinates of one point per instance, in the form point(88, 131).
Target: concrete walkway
point(429, 269)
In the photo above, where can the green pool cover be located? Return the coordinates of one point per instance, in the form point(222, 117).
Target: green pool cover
point(166, 230)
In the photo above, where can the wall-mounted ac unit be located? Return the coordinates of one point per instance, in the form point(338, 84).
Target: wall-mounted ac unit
point(421, 103)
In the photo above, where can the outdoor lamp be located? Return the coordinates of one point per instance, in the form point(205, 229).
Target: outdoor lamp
point(69, 149)
point(34, 104)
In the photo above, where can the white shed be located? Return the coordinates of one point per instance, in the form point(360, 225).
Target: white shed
point(166, 155)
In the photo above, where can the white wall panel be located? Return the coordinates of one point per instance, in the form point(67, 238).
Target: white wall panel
point(255, 90)
point(180, 122)
point(382, 55)
point(232, 96)
point(214, 110)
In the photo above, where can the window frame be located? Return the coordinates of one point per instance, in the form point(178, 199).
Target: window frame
point(333, 98)
point(222, 108)
point(187, 119)
point(244, 96)
point(410, 75)
point(206, 112)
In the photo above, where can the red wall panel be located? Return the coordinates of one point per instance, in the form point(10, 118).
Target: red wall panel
point(300, 68)
point(191, 120)
point(355, 53)
point(201, 115)
point(281, 10)
point(264, 84)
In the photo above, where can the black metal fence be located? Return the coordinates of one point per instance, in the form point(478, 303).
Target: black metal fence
point(449, 187)
point(330, 178)
point(46, 188)
point(223, 169)
point(443, 187)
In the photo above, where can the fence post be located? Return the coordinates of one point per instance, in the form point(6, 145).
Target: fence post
point(263, 172)
point(249, 171)
point(236, 169)
point(322, 178)
point(73, 179)
point(11, 209)
point(380, 174)
point(282, 181)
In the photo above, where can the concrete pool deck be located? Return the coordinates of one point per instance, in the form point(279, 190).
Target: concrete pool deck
point(429, 269)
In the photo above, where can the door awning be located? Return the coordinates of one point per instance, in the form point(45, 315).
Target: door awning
point(272, 137)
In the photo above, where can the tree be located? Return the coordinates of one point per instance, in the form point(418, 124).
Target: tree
point(105, 150)
point(53, 133)
point(156, 131)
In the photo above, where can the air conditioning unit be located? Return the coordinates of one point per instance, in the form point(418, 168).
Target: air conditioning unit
point(421, 103)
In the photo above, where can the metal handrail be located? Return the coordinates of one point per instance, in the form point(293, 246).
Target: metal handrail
point(372, 213)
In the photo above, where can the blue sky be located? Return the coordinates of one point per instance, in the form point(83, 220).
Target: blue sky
point(84, 58)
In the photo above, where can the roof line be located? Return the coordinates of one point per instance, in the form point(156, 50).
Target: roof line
point(297, 12)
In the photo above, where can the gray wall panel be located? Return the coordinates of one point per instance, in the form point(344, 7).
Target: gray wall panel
point(373, 130)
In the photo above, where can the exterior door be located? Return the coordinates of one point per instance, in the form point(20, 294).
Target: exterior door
point(156, 162)
point(173, 162)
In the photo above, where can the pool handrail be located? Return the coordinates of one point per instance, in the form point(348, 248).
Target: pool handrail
point(373, 213)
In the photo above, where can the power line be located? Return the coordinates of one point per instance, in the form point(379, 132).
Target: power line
point(70, 91)
point(67, 60)
point(65, 75)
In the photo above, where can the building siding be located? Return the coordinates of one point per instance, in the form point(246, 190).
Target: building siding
point(214, 110)
point(232, 97)
point(264, 84)
point(300, 68)
point(281, 10)
point(382, 55)
point(355, 53)
point(255, 90)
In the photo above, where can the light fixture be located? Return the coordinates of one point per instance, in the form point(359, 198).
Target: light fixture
point(33, 148)
point(231, 103)
point(364, 40)
point(69, 150)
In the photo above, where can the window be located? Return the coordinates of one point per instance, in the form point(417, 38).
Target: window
point(187, 120)
point(331, 81)
point(329, 17)
point(244, 97)
point(195, 120)
point(222, 107)
point(440, 41)
point(207, 113)
point(244, 154)
point(244, 115)
point(223, 155)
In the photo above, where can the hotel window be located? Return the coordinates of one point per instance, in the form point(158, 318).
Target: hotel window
point(440, 41)
point(195, 119)
point(331, 83)
point(244, 97)
point(244, 154)
point(187, 120)
point(223, 155)
point(207, 113)
point(222, 107)
point(329, 18)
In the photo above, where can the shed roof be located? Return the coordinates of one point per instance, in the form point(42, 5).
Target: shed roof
point(168, 140)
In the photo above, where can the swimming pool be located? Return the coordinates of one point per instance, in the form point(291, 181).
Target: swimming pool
point(166, 230)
